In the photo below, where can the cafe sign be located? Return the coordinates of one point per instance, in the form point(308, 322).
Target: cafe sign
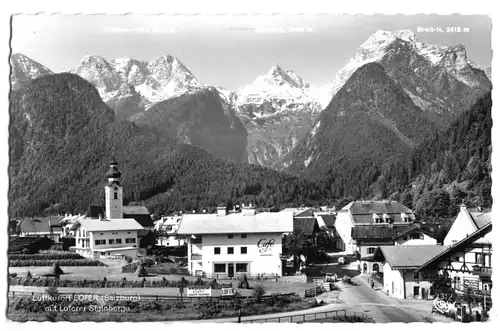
point(265, 246)
point(227, 291)
point(199, 292)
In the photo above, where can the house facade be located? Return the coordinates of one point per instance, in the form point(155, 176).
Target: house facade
point(229, 245)
point(386, 214)
point(168, 226)
point(402, 277)
point(469, 247)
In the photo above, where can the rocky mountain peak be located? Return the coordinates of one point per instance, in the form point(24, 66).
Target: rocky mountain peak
point(25, 69)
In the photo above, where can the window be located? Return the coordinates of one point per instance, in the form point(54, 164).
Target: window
point(111, 241)
point(230, 250)
point(415, 275)
point(130, 240)
point(219, 267)
point(100, 242)
point(241, 267)
point(457, 258)
point(479, 258)
point(425, 274)
point(243, 250)
point(416, 290)
point(116, 196)
point(371, 250)
point(243, 235)
point(229, 236)
point(118, 241)
point(216, 250)
point(103, 233)
point(79, 232)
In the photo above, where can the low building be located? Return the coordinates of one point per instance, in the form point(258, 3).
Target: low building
point(106, 238)
point(401, 264)
point(389, 214)
point(226, 245)
point(167, 227)
point(38, 227)
point(466, 262)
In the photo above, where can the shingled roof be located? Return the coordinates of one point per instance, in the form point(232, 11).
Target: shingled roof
point(362, 232)
point(39, 224)
point(305, 225)
point(410, 257)
point(363, 211)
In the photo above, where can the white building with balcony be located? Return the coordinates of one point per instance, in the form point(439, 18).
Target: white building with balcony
point(229, 245)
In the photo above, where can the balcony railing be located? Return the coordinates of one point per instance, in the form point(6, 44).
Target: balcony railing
point(481, 271)
point(196, 257)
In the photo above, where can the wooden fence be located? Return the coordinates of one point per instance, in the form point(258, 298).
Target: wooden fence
point(335, 315)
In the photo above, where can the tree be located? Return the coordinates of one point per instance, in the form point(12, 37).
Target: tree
point(297, 243)
point(406, 199)
point(433, 204)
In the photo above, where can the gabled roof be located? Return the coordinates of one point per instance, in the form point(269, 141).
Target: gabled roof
point(305, 225)
point(95, 210)
point(93, 224)
point(39, 224)
point(135, 210)
point(361, 232)
point(403, 231)
point(236, 223)
point(409, 257)
point(329, 220)
point(458, 246)
point(144, 220)
point(480, 219)
point(363, 211)
point(305, 213)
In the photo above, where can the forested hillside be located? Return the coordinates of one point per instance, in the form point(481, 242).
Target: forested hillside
point(62, 137)
point(370, 125)
point(454, 165)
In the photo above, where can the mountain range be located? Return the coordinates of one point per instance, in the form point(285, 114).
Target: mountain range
point(395, 93)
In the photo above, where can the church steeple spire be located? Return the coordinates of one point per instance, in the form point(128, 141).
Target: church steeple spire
point(113, 174)
point(114, 192)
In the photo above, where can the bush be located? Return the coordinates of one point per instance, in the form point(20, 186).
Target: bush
point(258, 292)
point(47, 256)
point(46, 263)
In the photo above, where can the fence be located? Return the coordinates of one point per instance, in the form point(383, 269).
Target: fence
point(336, 315)
point(237, 276)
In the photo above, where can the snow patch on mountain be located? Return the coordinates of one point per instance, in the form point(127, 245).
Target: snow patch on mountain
point(453, 58)
point(25, 69)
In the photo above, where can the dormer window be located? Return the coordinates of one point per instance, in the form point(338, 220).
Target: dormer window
point(405, 217)
point(386, 218)
point(377, 219)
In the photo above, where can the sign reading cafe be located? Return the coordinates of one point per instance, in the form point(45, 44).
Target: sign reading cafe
point(265, 246)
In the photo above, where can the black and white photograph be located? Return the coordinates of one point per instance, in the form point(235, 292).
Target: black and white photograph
point(330, 168)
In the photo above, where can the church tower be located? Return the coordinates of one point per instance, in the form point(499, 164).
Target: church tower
point(114, 192)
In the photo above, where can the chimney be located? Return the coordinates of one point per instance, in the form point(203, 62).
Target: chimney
point(221, 211)
point(248, 210)
point(479, 208)
point(100, 217)
point(463, 207)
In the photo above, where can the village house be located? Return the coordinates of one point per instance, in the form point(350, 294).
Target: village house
point(110, 235)
point(402, 276)
point(39, 227)
point(227, 245)
point(168, 227)
point(467, 258)
point(384, 214)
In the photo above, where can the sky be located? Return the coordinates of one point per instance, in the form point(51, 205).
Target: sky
point(230, 50)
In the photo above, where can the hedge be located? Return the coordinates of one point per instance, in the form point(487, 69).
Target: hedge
point(44, 282)
point(64, 256)
point(48, 263)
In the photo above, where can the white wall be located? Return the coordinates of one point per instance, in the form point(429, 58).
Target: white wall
point(343, 225)
point(425, 240)
point(393, 282)
point(267, 262)
point(462, 226)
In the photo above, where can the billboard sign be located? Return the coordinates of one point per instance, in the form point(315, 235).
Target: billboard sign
point(199, 292)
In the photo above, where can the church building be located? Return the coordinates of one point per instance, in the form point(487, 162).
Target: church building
point(109, 235)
